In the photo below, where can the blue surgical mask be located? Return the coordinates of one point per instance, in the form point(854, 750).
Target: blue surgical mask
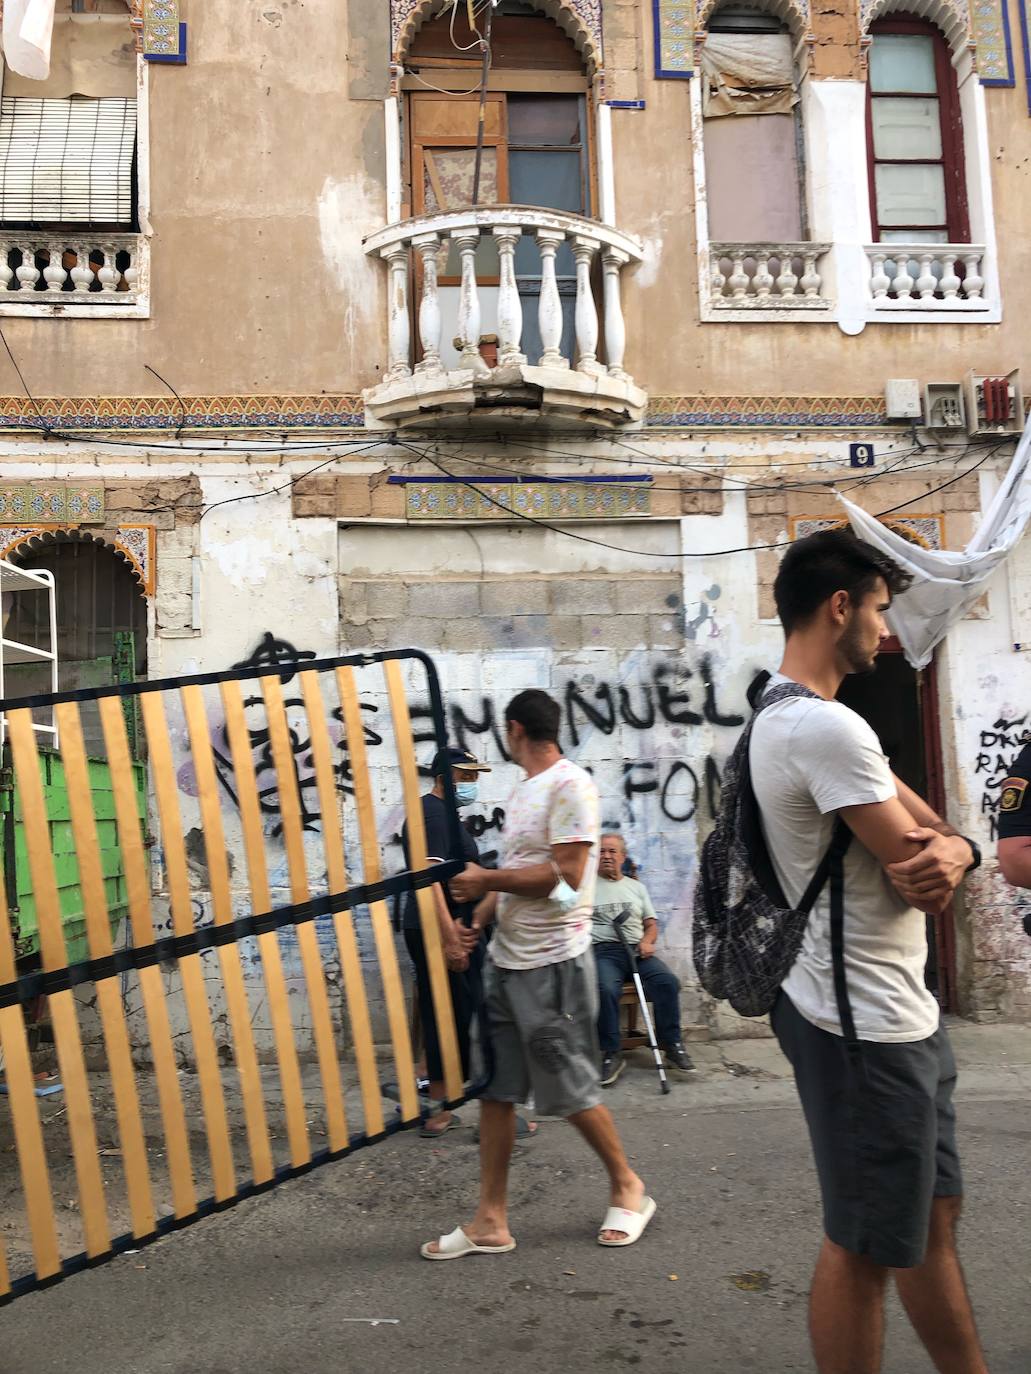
point(466, 792)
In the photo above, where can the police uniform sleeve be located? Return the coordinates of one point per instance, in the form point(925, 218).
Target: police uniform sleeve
point(1015, 798)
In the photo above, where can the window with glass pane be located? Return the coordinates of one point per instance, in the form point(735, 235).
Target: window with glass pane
point(917, 187)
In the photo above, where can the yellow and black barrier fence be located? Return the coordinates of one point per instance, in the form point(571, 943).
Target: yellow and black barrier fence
point(273, 767)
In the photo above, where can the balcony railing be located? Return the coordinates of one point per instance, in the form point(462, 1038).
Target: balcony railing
point(767, 276)
point(584, 379)
point(927, 276)
point(82, 270)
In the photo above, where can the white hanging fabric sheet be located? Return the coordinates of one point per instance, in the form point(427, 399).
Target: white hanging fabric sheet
point(946, 583)
point(747, 74)
point(28, 28)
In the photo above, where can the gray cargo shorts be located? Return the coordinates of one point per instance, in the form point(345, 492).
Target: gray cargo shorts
point(543, 1025)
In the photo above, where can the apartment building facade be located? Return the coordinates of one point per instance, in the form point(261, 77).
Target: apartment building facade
point(324, 334)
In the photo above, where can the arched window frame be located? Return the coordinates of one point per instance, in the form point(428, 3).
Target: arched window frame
point(957, 226)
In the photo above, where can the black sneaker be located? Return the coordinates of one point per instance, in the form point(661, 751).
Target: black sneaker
point(612, 1065)
point(678, 1059)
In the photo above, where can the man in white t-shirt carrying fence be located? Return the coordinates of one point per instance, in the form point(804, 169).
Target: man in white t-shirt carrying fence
point(877, 1099)
point(613, 895)
point(540, 987)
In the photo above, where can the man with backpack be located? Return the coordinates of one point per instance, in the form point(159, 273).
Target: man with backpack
point(810, 904)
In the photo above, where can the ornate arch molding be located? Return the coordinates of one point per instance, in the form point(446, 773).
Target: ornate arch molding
point(794, 13)
point(580, 19)
point(133, 544)
point(951, 16)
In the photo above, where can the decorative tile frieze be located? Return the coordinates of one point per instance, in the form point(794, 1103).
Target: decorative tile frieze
point(762, 412)
point(52, 501)
point(990, 25)
point(136, 544)
point(532, 500)
point(927, 531)
point(164, 36)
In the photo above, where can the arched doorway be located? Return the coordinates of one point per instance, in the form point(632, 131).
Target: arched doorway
point(101, 623)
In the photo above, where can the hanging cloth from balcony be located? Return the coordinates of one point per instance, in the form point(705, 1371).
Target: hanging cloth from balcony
point(747, 74)
point(946, 583)
point(28, 25)
point(91, 54)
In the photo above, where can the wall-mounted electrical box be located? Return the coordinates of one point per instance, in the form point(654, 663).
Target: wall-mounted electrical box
point(902, 398)
point(995, 403)
point(944, 407)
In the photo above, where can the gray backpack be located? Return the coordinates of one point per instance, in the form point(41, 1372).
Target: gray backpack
point(746, 935)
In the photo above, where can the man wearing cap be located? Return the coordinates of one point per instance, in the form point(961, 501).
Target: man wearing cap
point(464, 965)
point(1015, 822)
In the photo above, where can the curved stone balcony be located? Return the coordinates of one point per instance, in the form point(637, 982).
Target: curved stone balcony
point(480, 312)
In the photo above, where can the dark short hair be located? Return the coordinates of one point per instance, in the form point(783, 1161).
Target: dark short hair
point(830, 561)
point(537, 713)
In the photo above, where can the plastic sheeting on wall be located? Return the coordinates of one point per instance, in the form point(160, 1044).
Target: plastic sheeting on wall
point(946, 583)
point(747, 74)
point(90, 54)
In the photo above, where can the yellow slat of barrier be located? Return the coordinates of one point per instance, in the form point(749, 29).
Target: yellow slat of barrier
point(209, 1073)
point(53, 954)
point(109, 1001)
point(440, 987)
point(372, 872)
point(307, 942)
point(336, 872)
point(137, 888)
point(268, 943)
point(28, 1133)
point(228, 955)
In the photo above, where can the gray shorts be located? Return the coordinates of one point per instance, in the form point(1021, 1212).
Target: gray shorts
point(543, 1025)
point(884, 1136)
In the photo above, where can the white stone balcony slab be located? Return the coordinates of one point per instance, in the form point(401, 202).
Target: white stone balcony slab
point(82, 273)
point(939, 277)
point(767, 276)
point(486, 375)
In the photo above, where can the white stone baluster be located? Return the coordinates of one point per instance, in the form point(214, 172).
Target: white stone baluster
point(879, 279)
point(399, 328)
point(586, 314)
point(950, 282)
point(28, 273)
point(762, 281)
point(613, 260)
point(973, 282)
point(550, 305)
point(738, 279)
point(469, 315)
point(510, 307)
point(925, 282)
point(131, 273)
point(719, 280)
point(108, 274)
point(82, 272)
point(430, 321)
point(786, 278)
point(55, 274)
point(903, 283)
point(6, 270)
point(811, 280)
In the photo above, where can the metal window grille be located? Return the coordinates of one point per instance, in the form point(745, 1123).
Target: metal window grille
point(67, 161)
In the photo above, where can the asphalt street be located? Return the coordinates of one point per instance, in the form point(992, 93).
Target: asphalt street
point(323, 1274)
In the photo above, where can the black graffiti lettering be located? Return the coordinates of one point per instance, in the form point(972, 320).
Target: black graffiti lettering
point(673, 800)
point(461, 724)
point(273, 653)
point(420, 712)
point(631, 785)
point(479, 825)
point(984, 762)
point(713, 714)
point(713, 784)
point(674, 705)
point(626, 711)
point(603, 720)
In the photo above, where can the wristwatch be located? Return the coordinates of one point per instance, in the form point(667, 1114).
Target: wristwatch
point(976, 851)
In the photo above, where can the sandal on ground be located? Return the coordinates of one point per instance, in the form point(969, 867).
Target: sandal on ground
point(632, 1224)
point(457, 1245)
point(525, 1130)
point(428, 1133)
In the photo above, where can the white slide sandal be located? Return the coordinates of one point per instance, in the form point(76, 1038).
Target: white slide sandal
point(632, 1224)
point(457, 1245)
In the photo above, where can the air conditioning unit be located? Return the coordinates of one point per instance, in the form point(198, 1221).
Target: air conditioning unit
point(995, 404)
point(944, 408)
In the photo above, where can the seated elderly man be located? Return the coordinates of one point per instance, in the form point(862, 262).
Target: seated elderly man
point(613, 895)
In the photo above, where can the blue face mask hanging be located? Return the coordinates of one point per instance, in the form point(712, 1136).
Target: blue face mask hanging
point(466, 792)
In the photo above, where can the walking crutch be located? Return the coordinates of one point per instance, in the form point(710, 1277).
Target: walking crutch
point(619, 922)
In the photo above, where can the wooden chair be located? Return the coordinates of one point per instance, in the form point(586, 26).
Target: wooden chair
point(633, 1035)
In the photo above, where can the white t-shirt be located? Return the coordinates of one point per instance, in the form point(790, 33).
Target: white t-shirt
point(612, 898)
point(558, 806)
point(809, 758)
